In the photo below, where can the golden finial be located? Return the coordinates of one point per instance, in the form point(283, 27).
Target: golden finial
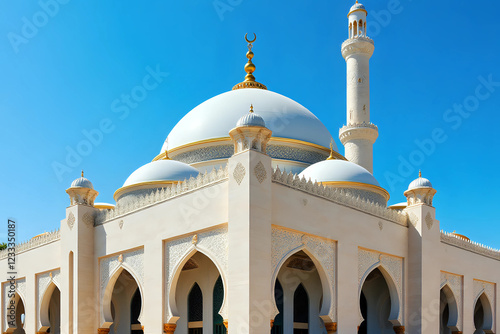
point(249, 68)
point(166, 157)
point(331, 151)
point(251, 108)
point(419, 173)
point(356, 1)
point(82, 172)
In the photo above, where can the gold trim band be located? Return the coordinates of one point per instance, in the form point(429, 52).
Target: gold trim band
point(141, 184)
point(273, 139)
point(358, 185)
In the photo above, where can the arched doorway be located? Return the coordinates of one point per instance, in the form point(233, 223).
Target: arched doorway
point(198, 295)
point(375, 305)
point(126, 304)
point(483, 316)
point(300, 311)
point(448, 311)
point(298, 291)
point(50, 310)
point(17, 327)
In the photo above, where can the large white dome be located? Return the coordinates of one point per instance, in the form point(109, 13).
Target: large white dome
point(215, 117)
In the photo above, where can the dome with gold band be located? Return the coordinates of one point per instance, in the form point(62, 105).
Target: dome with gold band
point(349, 176)
point(201, 137)
point(154, 175)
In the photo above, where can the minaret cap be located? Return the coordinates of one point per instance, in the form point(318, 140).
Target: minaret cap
point(249, 68)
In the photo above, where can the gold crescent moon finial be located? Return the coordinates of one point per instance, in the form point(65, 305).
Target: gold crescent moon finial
point(254, 38)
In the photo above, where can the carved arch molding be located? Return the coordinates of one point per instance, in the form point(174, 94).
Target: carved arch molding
point(368, 260)
point(213, 242)
point(455, 282)
point(132, 261)
point(285, 242)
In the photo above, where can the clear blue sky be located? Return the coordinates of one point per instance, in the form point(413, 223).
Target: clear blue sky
point(61, 73)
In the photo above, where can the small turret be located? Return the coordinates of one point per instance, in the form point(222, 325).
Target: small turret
point(82, 192)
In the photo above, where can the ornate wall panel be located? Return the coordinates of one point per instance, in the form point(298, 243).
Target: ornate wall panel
point(213, 242)
point(369, 260)
point(43, 282)
point(133, 261)
point(488, 289)
point(455, 282)
point(286, 242)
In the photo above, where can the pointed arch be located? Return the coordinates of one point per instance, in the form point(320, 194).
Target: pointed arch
point(452, 307)
point(45, 306)
point(18, 300)
point(172, 307)
point(325, 286)
point(483, 301)
point(108, 293)
point(393, 292)
point(355, 30)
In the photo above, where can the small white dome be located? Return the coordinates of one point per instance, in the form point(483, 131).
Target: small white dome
point(82, 183)
point(421, 182)
point(338, 171)
point(251, 119)
point(357, 6)
point(161, 170)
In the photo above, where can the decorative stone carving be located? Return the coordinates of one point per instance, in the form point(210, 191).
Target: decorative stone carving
point(324, 251)
point(88, 219)
point(369, 260)
point(339, 196)
point(380, 225)
point(413, 219)
point(260, 172)
point(239, 173)
point(43, 282)
point(71, 220)
point(151, 197)
point(429, 221)
point(455, 282)
point(120, 224)
point(454, 240)
point(133, 261)
point(34, 242)
point(213, 242)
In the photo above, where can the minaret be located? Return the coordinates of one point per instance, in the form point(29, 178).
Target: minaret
point(359, 134)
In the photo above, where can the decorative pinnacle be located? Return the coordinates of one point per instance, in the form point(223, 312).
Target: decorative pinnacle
point(82, 172)
point(249, 68)
point(166, 157)
point(419, 173)
point(251, 108)
point(331, 151)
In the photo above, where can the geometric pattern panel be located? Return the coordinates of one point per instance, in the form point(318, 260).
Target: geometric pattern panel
point(368, 260)
point(134, 260)
point(455, 282)
point(43, 282)
point(214, 241)
point(325, 251)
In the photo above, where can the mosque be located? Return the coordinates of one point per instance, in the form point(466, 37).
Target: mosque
point(250, 221)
